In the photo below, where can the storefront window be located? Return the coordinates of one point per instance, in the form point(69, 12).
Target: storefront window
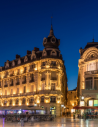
point(95, 102)
point(81, 103)
point(90, 102)
point(72, 110)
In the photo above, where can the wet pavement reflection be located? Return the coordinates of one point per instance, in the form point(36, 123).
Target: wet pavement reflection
point(58, 122)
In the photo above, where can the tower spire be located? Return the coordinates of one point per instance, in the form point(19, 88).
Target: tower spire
point(51, 30)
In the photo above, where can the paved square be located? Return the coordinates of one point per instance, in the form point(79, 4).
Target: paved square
point(58, 122)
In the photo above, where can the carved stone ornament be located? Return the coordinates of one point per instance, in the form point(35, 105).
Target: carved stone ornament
point(48, 63)
point(91, 56)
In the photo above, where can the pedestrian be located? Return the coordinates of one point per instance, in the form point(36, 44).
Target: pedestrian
point(32, 120)
point(22, 122)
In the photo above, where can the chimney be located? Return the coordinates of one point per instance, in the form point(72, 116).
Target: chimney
point(36, 49)
point(28, 52)
point(17, 56)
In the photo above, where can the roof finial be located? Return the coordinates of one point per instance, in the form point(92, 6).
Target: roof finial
point(51, 30)
point(93, 38)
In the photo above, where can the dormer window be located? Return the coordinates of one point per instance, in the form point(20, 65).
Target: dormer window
point(7, 64)
point(53, 53)
point(19, 61)
point(13, 63)
point(33, 56)
point(25, 59)
point(44, 53)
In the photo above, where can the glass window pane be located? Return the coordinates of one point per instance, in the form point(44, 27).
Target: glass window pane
point(90, 102)
point(95, 102)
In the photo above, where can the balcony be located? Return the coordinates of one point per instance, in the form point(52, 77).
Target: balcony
point(91, 72)
point(18, 95)
point(88, 93)
point(43, 66)
point(31, 69)
point(50, 92)
point(54, 66)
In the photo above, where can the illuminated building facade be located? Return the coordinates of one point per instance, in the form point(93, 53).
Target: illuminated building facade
point(39, 78)
point(88, 75)
point(72, 100)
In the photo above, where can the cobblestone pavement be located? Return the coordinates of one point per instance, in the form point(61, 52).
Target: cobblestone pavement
point(58, 122)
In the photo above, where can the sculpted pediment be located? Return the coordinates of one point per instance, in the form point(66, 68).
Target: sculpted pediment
point(91, 56)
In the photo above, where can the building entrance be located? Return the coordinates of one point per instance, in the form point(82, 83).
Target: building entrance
point(52, 110)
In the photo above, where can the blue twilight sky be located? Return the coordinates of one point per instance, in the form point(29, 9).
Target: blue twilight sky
point(24, 24)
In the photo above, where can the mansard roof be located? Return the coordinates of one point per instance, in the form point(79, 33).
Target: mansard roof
point(38, 57)
point(89, 44)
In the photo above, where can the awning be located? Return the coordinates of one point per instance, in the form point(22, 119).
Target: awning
point(85, 107)
point(5, 108)
point(22, 107)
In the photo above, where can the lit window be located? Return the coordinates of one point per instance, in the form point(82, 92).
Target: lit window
point(90, 102)
point(81, 103)
point(72, 110)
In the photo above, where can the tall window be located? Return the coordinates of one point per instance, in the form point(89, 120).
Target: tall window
point(17, 101)
point(53, 99)
point(88, 83)
point(96, 83)
point(23, 101)
point(24, 89)
point(5, 92)
point(43, 84)
point(53, 75)
point(11, 91)
point(32, 88)
point(52, 86)
point(42, 99)
point(17, 90)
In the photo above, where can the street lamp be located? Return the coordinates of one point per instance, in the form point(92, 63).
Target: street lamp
point(82, 97)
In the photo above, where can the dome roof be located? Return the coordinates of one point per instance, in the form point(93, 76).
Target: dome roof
point(51, 41)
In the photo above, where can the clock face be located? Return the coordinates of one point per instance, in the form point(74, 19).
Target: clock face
point(45, 41)
point(53, 40)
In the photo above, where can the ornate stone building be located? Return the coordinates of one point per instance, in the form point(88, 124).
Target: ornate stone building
point(71, 100)
point(88, 75)
point(39, 78)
